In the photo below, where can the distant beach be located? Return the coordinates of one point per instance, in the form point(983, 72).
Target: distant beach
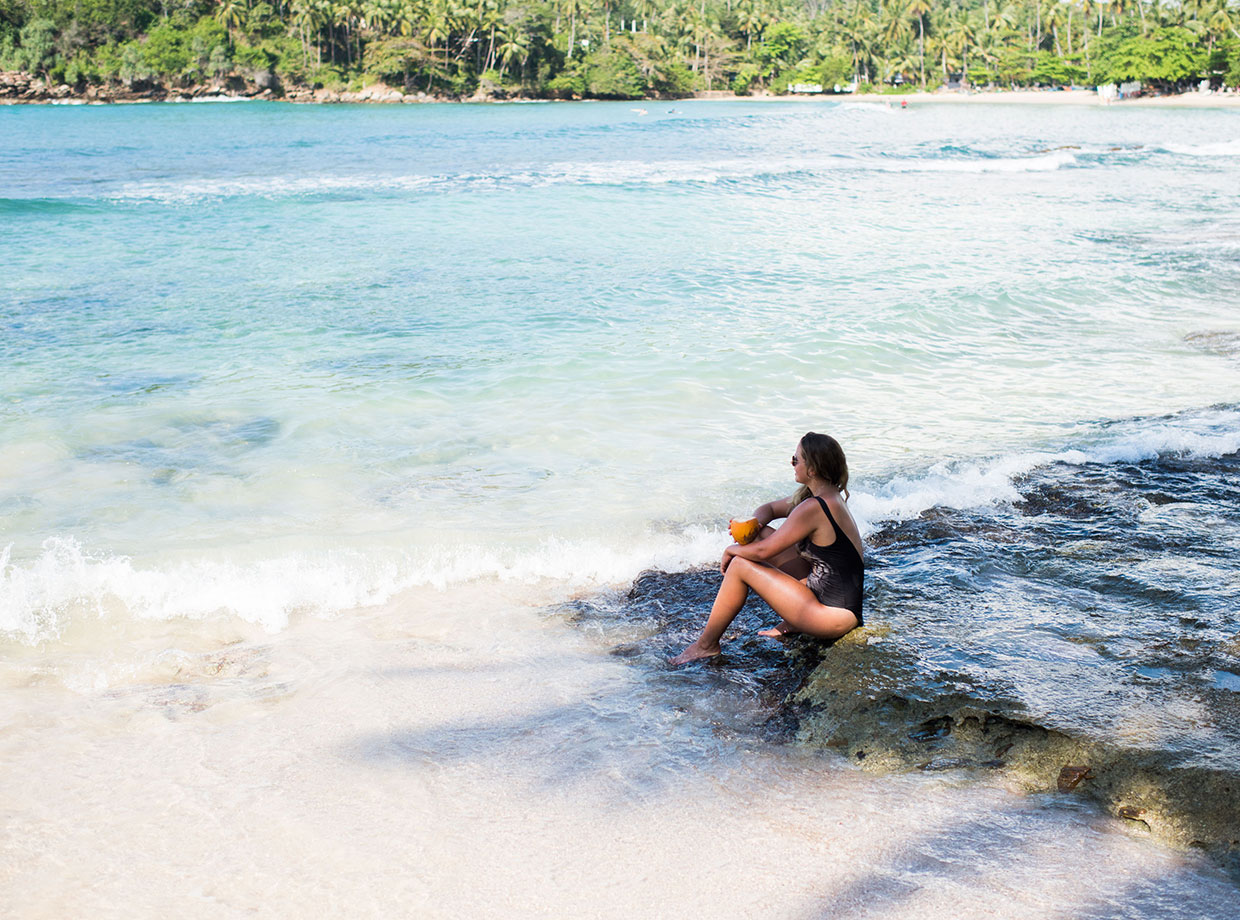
point(1020, 97)
point(25, 89)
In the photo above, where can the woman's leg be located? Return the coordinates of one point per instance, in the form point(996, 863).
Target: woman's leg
point(728, 603)
point(780, 630)
point(788, 597)
point(792, 563)
point(789, 560)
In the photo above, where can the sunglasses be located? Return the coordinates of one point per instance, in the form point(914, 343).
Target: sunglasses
point(795, 459)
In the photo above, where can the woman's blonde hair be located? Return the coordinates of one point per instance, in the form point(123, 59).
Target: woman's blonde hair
point(825, 459)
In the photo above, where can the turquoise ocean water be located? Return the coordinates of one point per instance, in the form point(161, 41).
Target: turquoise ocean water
point(443, 337)
point(267, 365)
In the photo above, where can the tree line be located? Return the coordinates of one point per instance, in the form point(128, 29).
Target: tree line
point(623, 48)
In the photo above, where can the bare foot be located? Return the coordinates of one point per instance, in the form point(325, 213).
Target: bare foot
point(778, 632)
point(694, 652)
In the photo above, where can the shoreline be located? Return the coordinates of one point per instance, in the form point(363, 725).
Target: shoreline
point(24, 89)
point(1081, 97)
point(867, 698)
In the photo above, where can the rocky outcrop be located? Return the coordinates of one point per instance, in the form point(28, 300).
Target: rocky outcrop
point(872, 699)
point(374, 93)
point(869, 703)
point(18, 87)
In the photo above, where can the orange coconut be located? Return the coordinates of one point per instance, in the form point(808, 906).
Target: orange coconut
point(744, 531)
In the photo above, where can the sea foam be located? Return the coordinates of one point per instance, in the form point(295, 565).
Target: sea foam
point(971, 483)
point(1218, 149)
point(609, 173)
point(39, 598)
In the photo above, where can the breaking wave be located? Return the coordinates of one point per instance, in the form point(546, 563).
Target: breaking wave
point(41, 597)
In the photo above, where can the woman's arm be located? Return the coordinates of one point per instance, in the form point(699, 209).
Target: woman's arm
point(773, 511)
point(801, 522)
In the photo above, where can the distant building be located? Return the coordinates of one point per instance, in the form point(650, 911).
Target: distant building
point(805, 88)
point(1111, 91)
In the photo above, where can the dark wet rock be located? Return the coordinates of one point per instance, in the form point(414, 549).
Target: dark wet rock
point(19, 87)
point(867, 701)
point(1079, 642)
point(1223, 343)
point(872, 698)
point(748, 688)
point(1070, 777)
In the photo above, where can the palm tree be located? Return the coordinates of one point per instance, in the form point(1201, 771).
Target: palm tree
point(347, 15)
point(230, 14)
point(868, 35)
point(404, 19)
point(645, 9)
point(1220, 22)
point(308, 18)
point(1054, 19)
point(895, 29)
point(919, 9)
point(574, 8)
point(513, 44)
point(958, 39)
point(751, 18)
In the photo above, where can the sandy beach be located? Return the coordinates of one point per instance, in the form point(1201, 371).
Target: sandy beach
point(1073, 97)
point(1021, 97)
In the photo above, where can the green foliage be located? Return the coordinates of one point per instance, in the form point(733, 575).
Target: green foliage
point(1051, 70)
point(254, 58)
point(261, 20)
point(571, 84)
point(208, 49)
point(8, 51)
point(394, 59)
point(1224, 64)
point(611, 73)
point(455, 48)
point(106, 61)
point(804, 74)
point(1169, 55)
point(166, 51)
point(12, 15)
point(833, 69)
point(746, 77)
point(658, 72)
point(1013, 67)
point(782, 44)
point(37, 50)
point(132, 67)
point(675, 80)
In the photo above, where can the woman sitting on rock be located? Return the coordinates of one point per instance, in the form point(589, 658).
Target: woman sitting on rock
point(810, 570)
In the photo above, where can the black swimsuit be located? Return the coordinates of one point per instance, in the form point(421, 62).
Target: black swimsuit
point(837, 572)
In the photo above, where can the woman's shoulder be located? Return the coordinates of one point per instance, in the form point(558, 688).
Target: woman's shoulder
point(833, 504)
point(811, 505)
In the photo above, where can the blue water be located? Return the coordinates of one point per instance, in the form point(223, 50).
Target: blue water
point(385, 328)
point(269, 368)
point(261, 321)
point(437, 335)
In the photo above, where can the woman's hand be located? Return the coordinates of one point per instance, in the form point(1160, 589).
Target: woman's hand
point(727, 558)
